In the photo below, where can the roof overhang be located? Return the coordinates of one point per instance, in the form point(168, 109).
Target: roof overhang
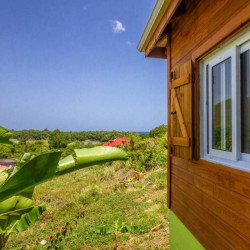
point(153, 41)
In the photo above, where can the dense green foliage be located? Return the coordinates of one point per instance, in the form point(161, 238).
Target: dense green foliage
point(19, 148)
point(31, 134)
point(147, 153)
point(37, 142)
point(58, 139)
point(101, 136)
point(158, 131)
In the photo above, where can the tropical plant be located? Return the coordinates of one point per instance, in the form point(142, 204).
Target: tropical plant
point(146, 154)
point(17, 210)
point(118, 227)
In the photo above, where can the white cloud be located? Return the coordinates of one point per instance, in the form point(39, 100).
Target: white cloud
point(129, 43)
point(118, 27)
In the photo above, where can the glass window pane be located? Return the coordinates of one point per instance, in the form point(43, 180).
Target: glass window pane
point(222, 106)
point(245, 102)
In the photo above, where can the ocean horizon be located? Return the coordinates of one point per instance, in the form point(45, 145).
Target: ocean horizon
point(142, 132)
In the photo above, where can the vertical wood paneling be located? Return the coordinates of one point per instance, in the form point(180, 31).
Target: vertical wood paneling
point(181, 114)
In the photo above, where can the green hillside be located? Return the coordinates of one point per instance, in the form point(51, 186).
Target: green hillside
point(134, 191)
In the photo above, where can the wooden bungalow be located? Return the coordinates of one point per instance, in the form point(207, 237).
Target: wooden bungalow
point(207, 47)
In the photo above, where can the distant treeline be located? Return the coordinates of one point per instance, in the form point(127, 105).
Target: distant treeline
point(40, 141)
point(102, 136)
point(45, 134)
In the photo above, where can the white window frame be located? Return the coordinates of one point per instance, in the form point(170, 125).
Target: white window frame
point(231, 49)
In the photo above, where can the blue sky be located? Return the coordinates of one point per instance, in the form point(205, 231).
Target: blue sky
point(73, 65)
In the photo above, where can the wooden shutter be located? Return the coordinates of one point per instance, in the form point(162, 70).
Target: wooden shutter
point(181, 115)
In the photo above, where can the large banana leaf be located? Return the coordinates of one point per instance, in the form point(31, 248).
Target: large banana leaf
point(27, 219)
point(90, 156)
point(25, 158)
point(45, 167)
point(14, 203)
point(5, 137)
point(12, 209)
point(34, 172)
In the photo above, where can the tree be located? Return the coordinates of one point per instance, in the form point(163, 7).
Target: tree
point(158, 131)
point(58, 139)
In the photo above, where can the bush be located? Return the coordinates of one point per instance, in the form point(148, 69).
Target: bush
point(158, 131)
point(146, 154)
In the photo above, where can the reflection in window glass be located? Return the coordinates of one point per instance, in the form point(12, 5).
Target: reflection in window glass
point(245, 102)
point(222, 106)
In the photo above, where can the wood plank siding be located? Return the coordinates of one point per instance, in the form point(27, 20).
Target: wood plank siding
point(218, 199)
point(212, 200)
point(198, 24)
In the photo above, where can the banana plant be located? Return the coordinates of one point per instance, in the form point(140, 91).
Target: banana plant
point(17, 210)
point(118, 227)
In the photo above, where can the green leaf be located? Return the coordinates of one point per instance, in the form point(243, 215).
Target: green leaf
point(34, 172)
point(28, 219)
point(28, 192)
point(25, 158)
point(14, 203)
point(90, 156)
point(3, 176)
point(67, 164)
point(132, 229)
point(12, 210)
point(5, 137)
point(118, 224)
point(124, 230)
point(98, 155)
point(6, 222)
point(104, 230)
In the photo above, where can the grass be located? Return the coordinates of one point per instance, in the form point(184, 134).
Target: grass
point(104, 194)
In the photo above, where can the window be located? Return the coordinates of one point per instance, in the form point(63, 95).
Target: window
point(225, 103)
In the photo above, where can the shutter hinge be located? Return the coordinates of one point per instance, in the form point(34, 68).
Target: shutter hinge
point(171, 149)
point(171, 76)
